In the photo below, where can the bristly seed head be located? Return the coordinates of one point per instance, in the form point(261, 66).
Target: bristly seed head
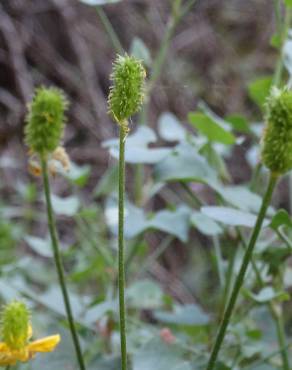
point(127, 92)
point(276, 151)
point(45, 120)
point(15, 321)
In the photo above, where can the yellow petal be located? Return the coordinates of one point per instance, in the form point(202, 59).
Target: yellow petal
point(3, 347)
point(46, 344)
point(6, 356)
point(6, 359)
point(29, 332)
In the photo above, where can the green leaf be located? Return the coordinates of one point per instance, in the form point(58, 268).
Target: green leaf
point(274, 257)
point(259, 89)
point(53, 299)
point(276, 40)
point(93, 314)
point(39, 245)
point(221, 366)
point(210, 128)
point(108, 183)
point(205, 224)
point(189, 315)
point(215, 160)
point(265, 367)
point(140, 51)
point(231, 216)
point(287, 55)
point(184, 164)
point(174, 222)
point(281, 218)
point(136, 150)
point(144, 294)
point(267, 294)
point(107, 362)
point(158, 355)
point(239, 123)
point(65, 206)
point(78, 174)
point(61, 358)
point(170, 129)
point(288, 3)
point(240, 197)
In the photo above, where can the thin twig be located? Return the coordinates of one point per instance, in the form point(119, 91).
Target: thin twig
point(59, 263)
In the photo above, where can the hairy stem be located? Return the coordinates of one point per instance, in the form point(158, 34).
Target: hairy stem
point(59, 264)
point(123, 133)
point(240, 278)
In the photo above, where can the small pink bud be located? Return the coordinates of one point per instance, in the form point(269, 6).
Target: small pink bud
point(167, 336)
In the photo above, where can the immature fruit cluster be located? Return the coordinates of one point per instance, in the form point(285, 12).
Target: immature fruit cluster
point(45, 120)
point(277, 138)
point(126, 94)
point(15, 323)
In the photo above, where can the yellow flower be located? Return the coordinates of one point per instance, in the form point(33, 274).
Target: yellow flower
point(9, 356)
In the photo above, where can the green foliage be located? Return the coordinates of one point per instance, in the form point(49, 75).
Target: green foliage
point(45, 120)
point(259, 90)
point(211, 129)
point(185, 236)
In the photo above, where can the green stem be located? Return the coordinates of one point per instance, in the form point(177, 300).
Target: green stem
point(161, 248)
point(176, 16)
point(215, 239)
point(266, 358)
point(110, 30)
point(123, 134)
point(283, 30)
point(255, 176)
point(240, 278)
point(274, 313)
point(281, 335)
point(59, 264)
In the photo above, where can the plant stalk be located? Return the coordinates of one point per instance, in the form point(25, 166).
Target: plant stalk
point(121, 280)
point(240, 278)
point(283, 29)
point(59, 263)
point(110, 30)
point(178, 13)
point(274, 313)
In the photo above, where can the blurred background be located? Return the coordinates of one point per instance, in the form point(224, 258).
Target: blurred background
point(219, 56)
point(214, 51)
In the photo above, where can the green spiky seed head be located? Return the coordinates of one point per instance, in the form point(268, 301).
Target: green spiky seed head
point(276, 151)
point(45, 120)
point(127, 92)
point(15, 323)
